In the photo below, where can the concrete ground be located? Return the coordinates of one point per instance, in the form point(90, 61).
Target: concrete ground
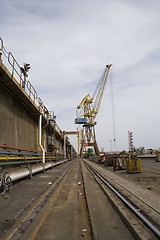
point(23, 193)
point(149, 178)
point(69, 218)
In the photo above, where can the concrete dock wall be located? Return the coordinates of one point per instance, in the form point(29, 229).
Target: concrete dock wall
point(19, 119)
point(20, 111)
point(18, 128)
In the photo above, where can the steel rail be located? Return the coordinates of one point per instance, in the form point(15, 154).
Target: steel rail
point(130, 206)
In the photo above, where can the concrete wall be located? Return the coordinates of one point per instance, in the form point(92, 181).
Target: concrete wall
point(19, 118)
point(18, 128)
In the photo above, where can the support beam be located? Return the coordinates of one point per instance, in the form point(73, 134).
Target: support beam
point(94, 144)
point(71, 133)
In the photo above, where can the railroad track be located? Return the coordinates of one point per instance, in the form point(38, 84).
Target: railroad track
point(60, 206)
point(139, 219)
point(80, 204)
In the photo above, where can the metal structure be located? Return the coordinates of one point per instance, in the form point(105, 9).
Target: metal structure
point(19, 74)
point(5, 182)
point(130, 141)
point(89, 110)
point(70, 133)
point(133, 164)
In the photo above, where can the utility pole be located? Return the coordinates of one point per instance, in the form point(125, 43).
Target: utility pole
point(111, 146)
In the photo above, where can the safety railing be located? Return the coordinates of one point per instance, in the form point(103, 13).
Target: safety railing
point(52, 120)
point(17, 74)
point(1, 44)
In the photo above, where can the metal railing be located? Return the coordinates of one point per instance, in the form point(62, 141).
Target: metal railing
point(52, 120)
point(20, 78)
point(24, 84)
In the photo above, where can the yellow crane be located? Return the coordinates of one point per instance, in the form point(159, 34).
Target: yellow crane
point(89, 108)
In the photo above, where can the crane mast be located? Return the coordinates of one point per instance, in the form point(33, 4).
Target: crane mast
point(90, 111)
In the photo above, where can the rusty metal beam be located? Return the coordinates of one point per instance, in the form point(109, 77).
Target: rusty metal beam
point(71, 133)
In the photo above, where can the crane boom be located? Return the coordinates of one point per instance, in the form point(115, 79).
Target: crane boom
point(100, 91)
point(83, 101)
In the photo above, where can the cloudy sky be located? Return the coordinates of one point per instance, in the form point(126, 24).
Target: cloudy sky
point(69, 42)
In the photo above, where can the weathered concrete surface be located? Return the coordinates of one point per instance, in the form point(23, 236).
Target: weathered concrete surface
point(70, 213)
point(19, 118)
point(23, 193)
point(68, 218)
point(18, 127)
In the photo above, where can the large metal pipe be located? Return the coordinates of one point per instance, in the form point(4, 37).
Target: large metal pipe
point(18, 173)
point(29, 170)
point(64, 147)
point(40, 138)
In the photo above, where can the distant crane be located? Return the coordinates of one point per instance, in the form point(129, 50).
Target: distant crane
point(89, 110)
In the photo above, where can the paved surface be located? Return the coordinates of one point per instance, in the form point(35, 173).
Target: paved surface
point(150, 164)
point(68, 219)
point(65, 220)
point(71, 217)
point(148, 179)
point(23, 193)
